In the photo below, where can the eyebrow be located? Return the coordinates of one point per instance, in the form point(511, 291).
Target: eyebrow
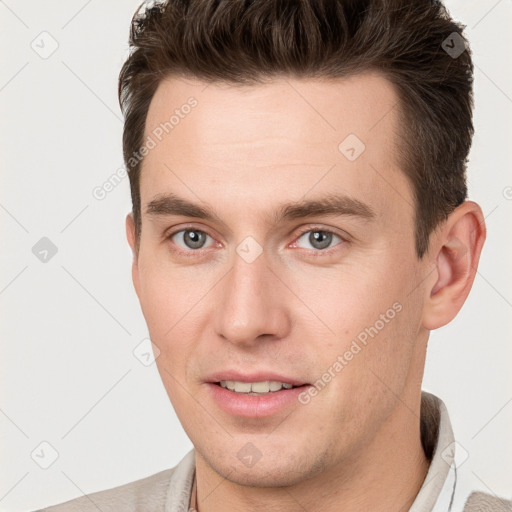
point(338, 205)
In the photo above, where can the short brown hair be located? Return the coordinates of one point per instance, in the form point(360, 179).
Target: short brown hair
point(252, 41)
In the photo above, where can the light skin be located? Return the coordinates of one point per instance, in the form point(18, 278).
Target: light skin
point(242, 153)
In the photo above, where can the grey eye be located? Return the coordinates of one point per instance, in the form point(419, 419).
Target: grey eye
point(319, 239)
point(191, 238)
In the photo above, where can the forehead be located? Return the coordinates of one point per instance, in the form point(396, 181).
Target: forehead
point(284, 137)
point(334, 107)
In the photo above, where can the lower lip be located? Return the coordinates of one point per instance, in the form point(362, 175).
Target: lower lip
point(252, 406)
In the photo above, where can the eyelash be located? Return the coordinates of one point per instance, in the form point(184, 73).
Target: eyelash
point(314, 252)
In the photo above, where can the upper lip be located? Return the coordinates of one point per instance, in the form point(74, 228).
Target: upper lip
point(261, 376)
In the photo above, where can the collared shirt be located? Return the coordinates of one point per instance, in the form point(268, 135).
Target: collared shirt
point(446, 487)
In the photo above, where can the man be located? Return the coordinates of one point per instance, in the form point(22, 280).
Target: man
point(299, 227)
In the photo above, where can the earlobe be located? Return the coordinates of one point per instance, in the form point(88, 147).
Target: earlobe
point(132, 241)
point(457, 249)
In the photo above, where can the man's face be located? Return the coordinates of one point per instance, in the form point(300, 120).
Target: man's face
point(260, 292)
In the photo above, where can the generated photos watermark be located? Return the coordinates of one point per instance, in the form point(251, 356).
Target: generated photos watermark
point(355, 348)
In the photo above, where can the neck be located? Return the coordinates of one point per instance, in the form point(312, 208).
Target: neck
point(386, 476)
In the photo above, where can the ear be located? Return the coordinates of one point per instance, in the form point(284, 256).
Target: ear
point(132, 241)
point(455, 252)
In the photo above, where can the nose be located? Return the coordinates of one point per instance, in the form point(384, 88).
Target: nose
point(252, 304)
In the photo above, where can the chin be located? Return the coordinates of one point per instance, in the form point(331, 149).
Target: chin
point(273, 469)
point(268, 475)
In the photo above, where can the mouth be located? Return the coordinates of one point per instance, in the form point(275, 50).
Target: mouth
point(255, 388)
point(254, 396)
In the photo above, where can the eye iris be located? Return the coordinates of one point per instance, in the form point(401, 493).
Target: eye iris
point(320, 239)
point(194, 239)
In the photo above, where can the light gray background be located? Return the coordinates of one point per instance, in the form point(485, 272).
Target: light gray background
point(68, 373)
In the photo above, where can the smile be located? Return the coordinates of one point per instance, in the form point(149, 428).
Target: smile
point(254, 388)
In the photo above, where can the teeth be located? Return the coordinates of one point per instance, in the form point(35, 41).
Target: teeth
point(241, 387)
point(274, 386)
point(254, 387)
point(259, 387)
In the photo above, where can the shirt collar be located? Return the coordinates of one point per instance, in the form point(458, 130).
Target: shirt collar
point(436, 493)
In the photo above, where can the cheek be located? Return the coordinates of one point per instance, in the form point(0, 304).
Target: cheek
point(165, 311)
point(369, 324)
point(175, 303)
point(164, 295)
point(346, 300)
